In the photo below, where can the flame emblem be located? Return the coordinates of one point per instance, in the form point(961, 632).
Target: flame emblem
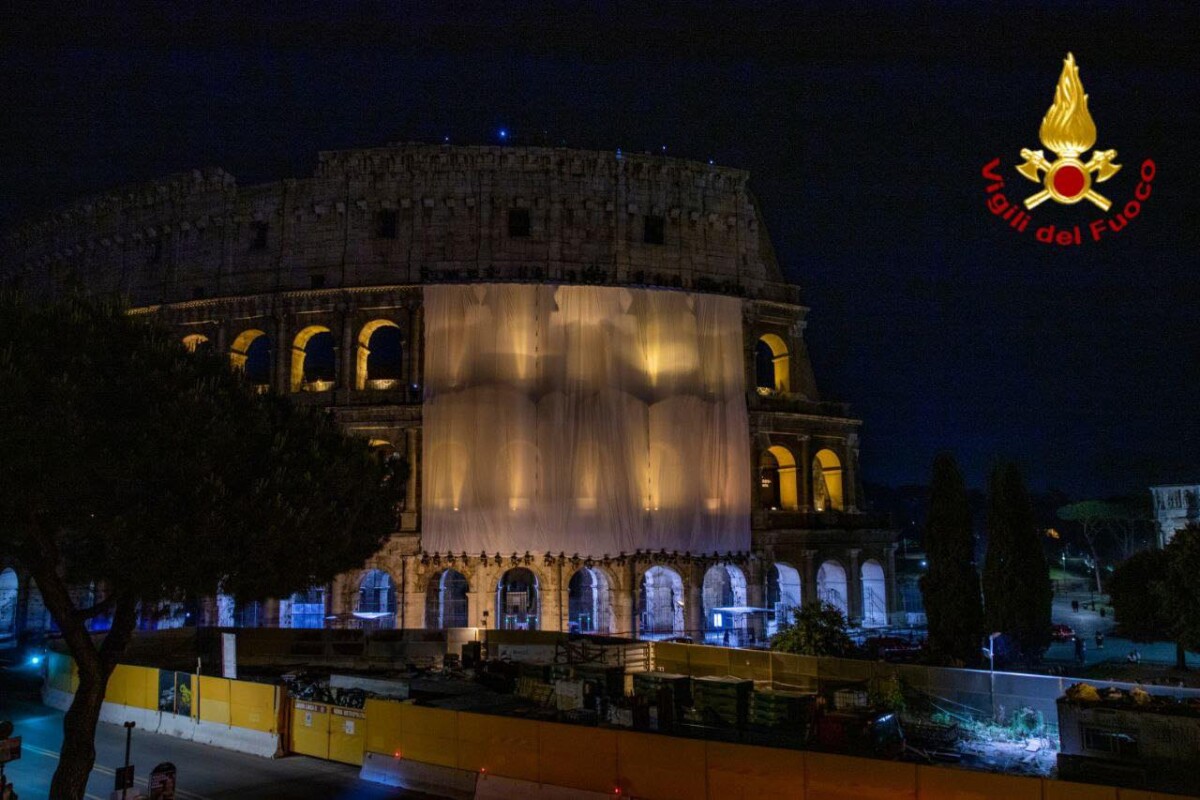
point(1068, 131)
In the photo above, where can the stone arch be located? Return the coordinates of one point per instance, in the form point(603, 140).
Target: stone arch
point(381, 366)
point(724, 587)
point(784, 594)
point(313, 361)
point(589, 601)
point(660, 603)
point(375, 606)
point(874, 595)
point(9, 592)
point(196, 342)
point(305, 609)
point(446, 600)
point(832, 586)
point(517, 602)
point(251, 353)
point(778, 479)
point(828, 492)
point(771, 364)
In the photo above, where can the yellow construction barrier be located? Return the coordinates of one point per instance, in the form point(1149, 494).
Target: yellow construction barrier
point(214, 700)
point(252, 705)
point(347, 734)
point(310, 729)
point(577, 757)
point(133, 686)
point(383, 727)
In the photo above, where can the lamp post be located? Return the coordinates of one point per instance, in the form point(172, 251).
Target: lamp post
point(991, 654)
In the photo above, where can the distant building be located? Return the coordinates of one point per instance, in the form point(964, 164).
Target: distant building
point(1175, 506)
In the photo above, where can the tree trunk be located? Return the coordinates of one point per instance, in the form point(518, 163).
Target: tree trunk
point(1088, 537)
point(1180, 656)
point(78, 753)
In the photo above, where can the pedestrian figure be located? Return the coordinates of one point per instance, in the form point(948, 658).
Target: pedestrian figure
point(726, 638)
point(1075, 606)
point(1080, 649)
point(1099, 640)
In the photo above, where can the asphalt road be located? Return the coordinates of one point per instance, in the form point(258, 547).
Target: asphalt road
point(203, 772)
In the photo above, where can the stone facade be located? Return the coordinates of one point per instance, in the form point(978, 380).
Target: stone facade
point(351, 248)
point(1175, 507)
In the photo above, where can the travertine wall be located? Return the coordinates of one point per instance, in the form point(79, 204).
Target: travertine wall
point(409, 214)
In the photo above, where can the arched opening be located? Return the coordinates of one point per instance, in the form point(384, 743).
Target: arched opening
point(777, 479)
point(517, 601)
point(196, 343)
point(303, 609)
point(248, 614)
point(783, 595)
point(380, 361)
point(8, 602)
point(827, 481)
point(661, 603)
point(831, 586)
point(446, 601)
point(251, 353)
point(589, 602)
point(874, 591)
point(376, 607)
point(724, 595)
point(313, 360)
point(771, 365)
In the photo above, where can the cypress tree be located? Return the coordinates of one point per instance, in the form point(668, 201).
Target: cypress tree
point(1016, 579)
point(953, 605)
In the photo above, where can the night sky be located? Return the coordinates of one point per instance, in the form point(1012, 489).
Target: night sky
point(864, 132)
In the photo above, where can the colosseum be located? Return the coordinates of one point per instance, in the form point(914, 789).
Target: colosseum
point(591, 360)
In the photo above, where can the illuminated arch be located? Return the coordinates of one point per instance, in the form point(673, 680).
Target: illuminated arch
point(827, 481)
point(517, 606)
point(724, 588)
point(368, 371)
point(8, 601)
point(772, 364)
point(874, 595)
point(660, 603)
point(589, 601)
point(302, 374)
point(778, 479)
point(376, 604)
point(784, 595)
point(831, 586)
point(251, 353)
point(195, 341)
point(446, 600)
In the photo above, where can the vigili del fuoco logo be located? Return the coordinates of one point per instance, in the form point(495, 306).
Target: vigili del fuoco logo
point(1068, 132)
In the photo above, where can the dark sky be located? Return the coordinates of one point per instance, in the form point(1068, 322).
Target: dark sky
point(864, 132)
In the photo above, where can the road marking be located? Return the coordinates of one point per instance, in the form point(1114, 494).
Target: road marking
point(103, 770)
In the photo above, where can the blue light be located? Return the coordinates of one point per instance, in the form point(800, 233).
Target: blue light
point(35, 660)
point(503, 133)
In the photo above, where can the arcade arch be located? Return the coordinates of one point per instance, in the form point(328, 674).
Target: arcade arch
point(376, 605)
point(380, 357)
point(777, 477)
point(827, 481)
point(874, 595)
point(771, 365)
point(723, 591)
point(517, 605)
point(251, 353)
point(446, 600)
point(313, 360)
point(831, 586)
point(784, 595)
point(660, 602)
point(8, 602)
point(589, 601)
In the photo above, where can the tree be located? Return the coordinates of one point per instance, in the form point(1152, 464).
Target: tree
point(1016, 580)
point(143, 473)
point(1122, 522)
point(1156, 594)
point(817, 629)
point(950, 587)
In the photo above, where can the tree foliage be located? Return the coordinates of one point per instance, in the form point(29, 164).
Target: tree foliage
point(816, 629)
point(950, 587)
point(1016, 580)
point(148, 473)
point(1123, 523)
point(1156, 594)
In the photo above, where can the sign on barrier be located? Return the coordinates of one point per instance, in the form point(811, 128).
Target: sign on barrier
point(347, 735)
point(310, 728)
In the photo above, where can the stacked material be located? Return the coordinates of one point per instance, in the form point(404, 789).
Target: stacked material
point(779, 709)
point(725, 700)
point(851, 699)
point(650, 684)
point(607, 679)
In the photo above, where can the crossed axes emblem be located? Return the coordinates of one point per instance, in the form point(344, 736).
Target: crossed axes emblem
point(1067, 179)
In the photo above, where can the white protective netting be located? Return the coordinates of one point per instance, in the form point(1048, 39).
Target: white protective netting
point(583, 419)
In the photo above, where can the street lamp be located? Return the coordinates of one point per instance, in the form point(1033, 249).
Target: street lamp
point(991, 654)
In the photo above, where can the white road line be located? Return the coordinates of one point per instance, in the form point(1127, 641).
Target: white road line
point(103, 770)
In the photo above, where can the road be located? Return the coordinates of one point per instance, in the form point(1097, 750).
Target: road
point(1086, 623)
point(204, 772)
